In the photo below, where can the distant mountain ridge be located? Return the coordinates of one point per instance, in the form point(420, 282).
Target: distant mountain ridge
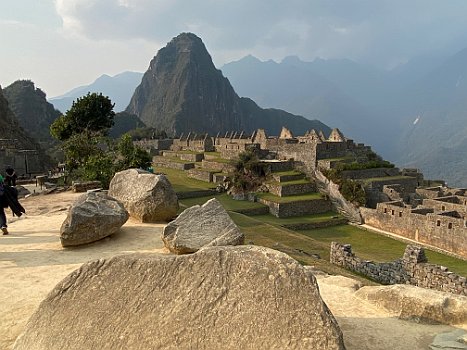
point(182, 91)
point(119, 88)
point(374, 106)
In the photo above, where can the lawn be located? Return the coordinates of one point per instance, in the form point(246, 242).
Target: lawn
point(288, 199)
point(271, 219)
point(181, 182)
point(287, 173)
point(375, 247)
point(227, 202)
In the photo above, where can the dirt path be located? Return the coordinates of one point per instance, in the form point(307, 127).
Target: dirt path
point(32, 262)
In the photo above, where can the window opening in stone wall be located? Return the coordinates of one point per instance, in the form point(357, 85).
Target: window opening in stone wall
point(450, 225)
point(386, 210)
point(438, 223)
point(443, 207)
point(400, 214)
point(392, 212)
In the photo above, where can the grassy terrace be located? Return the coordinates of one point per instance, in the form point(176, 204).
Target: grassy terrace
point(177, 160)
point(287, 173)
point(266, 230)
point(181, 182)
point(286, 183)
point(288, 199)
point(271, 219)
point(386, 178)
point(372, 246)
point(227, 202)
point(215, 154)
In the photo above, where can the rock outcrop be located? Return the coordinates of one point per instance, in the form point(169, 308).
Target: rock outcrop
point(182, 91)
point(93, 216)
point(10, 127)
point(201, 226)
point(218, 298)
point(146, 196)
point(418, 304)
point(30, 106)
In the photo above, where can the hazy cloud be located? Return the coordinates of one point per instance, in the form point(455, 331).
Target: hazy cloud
point(379, 31)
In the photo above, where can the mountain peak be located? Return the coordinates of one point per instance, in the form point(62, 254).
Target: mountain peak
point(182, 91)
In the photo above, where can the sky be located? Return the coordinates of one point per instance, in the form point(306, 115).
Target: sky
point(62, 44)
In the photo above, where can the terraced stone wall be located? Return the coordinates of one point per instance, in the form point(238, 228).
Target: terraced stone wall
point(413, 268)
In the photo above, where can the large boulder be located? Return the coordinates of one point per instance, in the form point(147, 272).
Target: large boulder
point(201, 226)
point(146, 196)
point(243, 297)
point(92, 216)
point(418, 304)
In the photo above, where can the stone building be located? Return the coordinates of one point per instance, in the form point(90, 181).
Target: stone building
point(440, 222)
point(26, 162)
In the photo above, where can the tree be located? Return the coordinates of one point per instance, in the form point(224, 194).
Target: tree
point(249, 172)
point(92, 114)
point(131, 156)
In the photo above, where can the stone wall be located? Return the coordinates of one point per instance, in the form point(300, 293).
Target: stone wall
point(25, 163)
point(276, 166)
point(283, 190)
point(423, 225)
point(297, 208)
point(313, 225)
point(201, 174)
point(285, 178)
point(408, 184)
point(167, 163)
point(412, 268)
point(85, 186)
point(370, 173)
point(219, 166)
point(451, 203)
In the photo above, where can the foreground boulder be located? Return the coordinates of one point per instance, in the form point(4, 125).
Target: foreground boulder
point(147, 197)
point(218, 298)
point(418, 304)
point(200, 226)
point(92, 216)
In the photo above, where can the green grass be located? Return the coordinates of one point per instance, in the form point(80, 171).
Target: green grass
point(220, 160)
point(286, 183)
point(227, 202)
point(372, 246)
point(271, 219)
point(298, 246)
point(288, 199)
point(216, 154)
point(386, 178)
point(178, 160)
point(181, 182)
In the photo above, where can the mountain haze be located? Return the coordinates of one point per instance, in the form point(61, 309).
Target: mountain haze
point(182, 91)
point(119, 88)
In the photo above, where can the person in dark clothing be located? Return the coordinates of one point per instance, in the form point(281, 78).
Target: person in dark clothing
point(10, 178)
point(3, 205)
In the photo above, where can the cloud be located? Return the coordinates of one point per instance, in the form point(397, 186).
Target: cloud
point(377, 31)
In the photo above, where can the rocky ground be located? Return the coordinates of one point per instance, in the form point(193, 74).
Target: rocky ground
point(32, 262)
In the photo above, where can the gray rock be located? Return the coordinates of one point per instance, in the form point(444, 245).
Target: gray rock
point(450, 341)
point(146, 196)
point(200, 226)
point(92, 216)
point(218, 298)
point(418, 304)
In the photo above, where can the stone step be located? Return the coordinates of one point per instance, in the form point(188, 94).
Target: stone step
point(297, 208)
point(280, 177)
point(283, 189)
point(165, 162)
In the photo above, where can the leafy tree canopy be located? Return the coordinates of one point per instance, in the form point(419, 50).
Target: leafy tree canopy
point(92, 114)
